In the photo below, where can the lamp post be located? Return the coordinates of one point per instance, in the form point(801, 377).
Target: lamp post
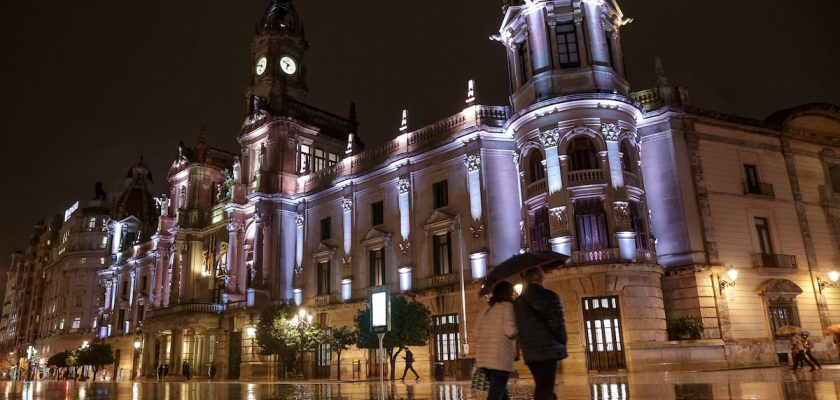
point(302, 321)
point(138, 343)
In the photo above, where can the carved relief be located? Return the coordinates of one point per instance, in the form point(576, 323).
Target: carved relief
point(477, 230)
point(473, 162)
point(403, 186)
point(610, 131)
point(404, 246)
point(559, 219)
point(347, 204)
point(517, 159)
point(299, 220)
point(550, 138)
point(621, 213)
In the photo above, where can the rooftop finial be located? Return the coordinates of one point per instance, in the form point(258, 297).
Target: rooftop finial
point(404, 123)
point(659, 70)
point(470, 92)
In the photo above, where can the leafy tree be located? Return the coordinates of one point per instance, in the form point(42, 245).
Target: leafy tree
point(340, 339)
point(97, 355)
point(59, 359)
point(281, 333)
point(73, 361)
point(410, 326)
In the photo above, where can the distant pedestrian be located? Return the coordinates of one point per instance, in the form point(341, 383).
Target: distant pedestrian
point(409, 364)
point(542, 332)
point(496, 340)
point(185, 370)
point(165, 370)
point(160, 371)
point(211, 372)
point(808, 346)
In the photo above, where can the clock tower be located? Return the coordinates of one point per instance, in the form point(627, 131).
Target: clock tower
point(277, 50)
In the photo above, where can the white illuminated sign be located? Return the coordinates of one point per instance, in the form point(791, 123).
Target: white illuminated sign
point(380, 310)
point(70, 211)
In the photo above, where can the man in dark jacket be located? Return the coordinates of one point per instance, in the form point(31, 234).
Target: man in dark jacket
point(542, 332)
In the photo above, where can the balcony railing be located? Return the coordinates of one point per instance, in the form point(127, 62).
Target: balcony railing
point(441, 280)
point(606, 256)
point(586, 177)
point(189, 307)
point(759, 188)
point(774, 261)
point(535, 188)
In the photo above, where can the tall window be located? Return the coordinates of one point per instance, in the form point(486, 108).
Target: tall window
point(762, 228)
point(304, 154)
point(610, 45)
point(92, 223)
point(125, 290)
point(591, 221)
point(782, 313)
point(567, 45)
point(77, 323)
point(121, 319)
point(834, 175)
point(536, 170)
point(627, 157)
point(442, 253)
point(324, 351)
point(440, 193)
point(326, 226)
point(141, 313)
point(320, 160)
point(323, 278)
point(751, 175)
point(446, 330)
point(332, 159)
point(540, 230)
point(377, 213)
point(582, 155)
point(524, 62)
point(377, 267)
point(637, 219)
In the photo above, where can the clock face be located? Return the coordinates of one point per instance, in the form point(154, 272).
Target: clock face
point(288, 65)
point(261, 64)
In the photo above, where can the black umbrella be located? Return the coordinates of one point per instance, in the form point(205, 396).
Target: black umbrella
point(519, 263)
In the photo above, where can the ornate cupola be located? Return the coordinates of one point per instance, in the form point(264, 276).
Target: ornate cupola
point(561, 47)
point(277, 49)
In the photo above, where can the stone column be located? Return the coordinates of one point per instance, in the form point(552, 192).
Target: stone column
point(175, 352)
point(549, 141)
point(596, 34)
point(177, 272)
point(233, 264)
point(611, 132)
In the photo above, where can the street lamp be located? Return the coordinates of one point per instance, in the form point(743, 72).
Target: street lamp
point(302, 321)
point(138, 343)
point(833, 277)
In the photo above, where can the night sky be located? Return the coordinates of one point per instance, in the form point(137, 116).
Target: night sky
point(88, 86)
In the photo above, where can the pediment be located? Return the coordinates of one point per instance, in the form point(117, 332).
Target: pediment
point(130, 220)
point(376, 238)
point(325, 250)
point(780, 286)
point(441, 220)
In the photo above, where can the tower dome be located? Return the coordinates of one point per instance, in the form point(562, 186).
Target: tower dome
point(279, 16)
point(135, 198)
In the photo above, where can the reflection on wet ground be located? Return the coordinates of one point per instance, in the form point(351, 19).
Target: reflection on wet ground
point(764, 383)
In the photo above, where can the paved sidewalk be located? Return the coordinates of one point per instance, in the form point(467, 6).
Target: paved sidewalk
point(756, 383)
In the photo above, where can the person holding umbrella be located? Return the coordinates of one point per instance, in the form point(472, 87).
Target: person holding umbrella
point(542, 332)
point(797, 347)
point(496, 344)
point(809, 356)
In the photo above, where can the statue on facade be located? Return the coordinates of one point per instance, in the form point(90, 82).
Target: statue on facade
point(99, 192)
point(237, 170)
point(256, 109)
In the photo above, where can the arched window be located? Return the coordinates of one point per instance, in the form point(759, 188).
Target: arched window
point(628, 157)
point(582, 155)
point(780, 298)
point(536, 170)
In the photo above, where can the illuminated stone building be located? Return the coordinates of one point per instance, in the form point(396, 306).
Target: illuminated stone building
point(666, 210)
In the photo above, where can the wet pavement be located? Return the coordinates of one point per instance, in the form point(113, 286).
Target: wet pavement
point(758, 383)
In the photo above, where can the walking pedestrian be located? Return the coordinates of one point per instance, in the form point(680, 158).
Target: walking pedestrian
point(409, 364)
point(797, 347)
point(496, 340)
point(211, 372)
point(806, 337)
point(165, 370)
point(185, 370)
point(160, 371)
point(542, 332)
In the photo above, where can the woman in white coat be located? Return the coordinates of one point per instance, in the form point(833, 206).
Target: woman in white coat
point(496, 344)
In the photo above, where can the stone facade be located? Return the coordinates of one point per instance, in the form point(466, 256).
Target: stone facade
point(654, 201)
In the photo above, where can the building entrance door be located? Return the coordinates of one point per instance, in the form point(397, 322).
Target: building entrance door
point(602, 329)
point(235, 355)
